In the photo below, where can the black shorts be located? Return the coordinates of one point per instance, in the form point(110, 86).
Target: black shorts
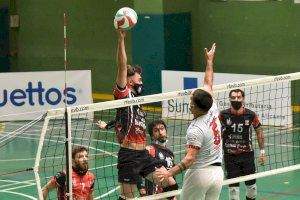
point(134, 163)
point(240, 165)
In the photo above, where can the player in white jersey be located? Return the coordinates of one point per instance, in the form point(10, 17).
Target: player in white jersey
point(204, 177)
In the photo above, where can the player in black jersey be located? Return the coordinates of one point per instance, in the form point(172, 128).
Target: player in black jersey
point(157, 130)
point(237, 123)
point(163, 156)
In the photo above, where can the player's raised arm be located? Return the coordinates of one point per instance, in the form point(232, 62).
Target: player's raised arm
point(209, 71)
point(121, 59)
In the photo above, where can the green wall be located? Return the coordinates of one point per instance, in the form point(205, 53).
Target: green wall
point(251, 37)
point(90, 32)
point(4, 36)
point(4, 39)
point(4, 3)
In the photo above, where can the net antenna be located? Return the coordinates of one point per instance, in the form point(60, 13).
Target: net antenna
point(67, 121)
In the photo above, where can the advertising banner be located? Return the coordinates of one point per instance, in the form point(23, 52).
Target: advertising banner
point(271, 102)
point(25, 96)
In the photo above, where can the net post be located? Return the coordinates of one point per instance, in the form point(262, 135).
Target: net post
point(38, 157)
point(68, 147)
point(67, 114)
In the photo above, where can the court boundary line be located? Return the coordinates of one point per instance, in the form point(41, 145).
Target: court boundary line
point(20, 194)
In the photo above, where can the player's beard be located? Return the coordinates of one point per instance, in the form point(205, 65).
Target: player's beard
point(81, 168)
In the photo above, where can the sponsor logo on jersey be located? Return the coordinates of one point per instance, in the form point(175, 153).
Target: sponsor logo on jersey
point(169, 162)
point(247, 122)
point(228, 121)
point(161, 156)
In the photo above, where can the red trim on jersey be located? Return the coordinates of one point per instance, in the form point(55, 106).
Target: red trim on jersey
point(220, 116)
point(255, 121)
point(120, 94)
point(139, 138)
point(151, 151)
point(192, 147)
point(162, 147)
point(234, 112)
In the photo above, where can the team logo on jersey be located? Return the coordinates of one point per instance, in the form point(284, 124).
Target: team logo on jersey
point(169, 162)
point(247, 122)
point(228, 121)
point(161, 156)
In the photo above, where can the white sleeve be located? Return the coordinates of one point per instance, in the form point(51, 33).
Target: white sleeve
point(194, 137)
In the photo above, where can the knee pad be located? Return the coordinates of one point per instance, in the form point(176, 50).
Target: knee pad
point(234, 193)
point(251, 191)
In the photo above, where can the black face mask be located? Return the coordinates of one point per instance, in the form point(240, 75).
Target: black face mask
point(139, 89)
point(236, 104)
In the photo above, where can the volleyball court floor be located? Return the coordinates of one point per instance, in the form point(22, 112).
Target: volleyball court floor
point(19, 155)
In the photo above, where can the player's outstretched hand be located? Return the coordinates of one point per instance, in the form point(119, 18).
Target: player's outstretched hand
point(209, 55)
point(162, 174)
point(101, 124)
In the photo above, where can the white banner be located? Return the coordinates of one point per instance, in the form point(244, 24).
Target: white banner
point(271, 102)
point(25, 96)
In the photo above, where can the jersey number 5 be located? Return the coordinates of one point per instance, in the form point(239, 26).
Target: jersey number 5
point(217, 135)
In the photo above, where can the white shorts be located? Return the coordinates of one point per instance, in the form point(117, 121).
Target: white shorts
point(202, 184)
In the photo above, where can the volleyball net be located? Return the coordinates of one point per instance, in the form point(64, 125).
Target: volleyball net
point(273, 99)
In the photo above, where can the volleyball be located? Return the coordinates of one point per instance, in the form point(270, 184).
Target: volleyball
point(125, 18)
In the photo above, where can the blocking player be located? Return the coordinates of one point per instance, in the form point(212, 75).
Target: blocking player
point(82, 179)
point(133, 158)
point(204, 177)
point(237, 123)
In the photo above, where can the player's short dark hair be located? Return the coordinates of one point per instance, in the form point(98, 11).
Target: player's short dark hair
point(78, 149)
point(132, 69)
point(237, 91)
point(202, 99)
point(154, 123)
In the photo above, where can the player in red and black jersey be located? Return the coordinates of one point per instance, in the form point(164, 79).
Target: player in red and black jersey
point(237, 123)
point(158, 150)
point(133, 158)
point(82, 179)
